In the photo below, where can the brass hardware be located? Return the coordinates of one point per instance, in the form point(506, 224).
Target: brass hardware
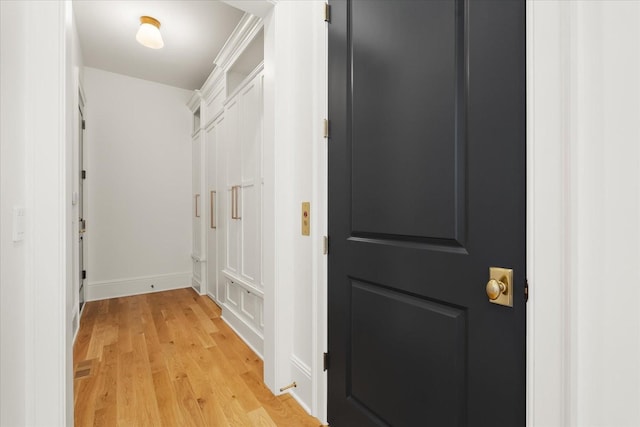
point(212, 208)
point(495, 288)
point(326, 128)
point(306, 218)
point(234, 202)
point(325, 245)
point(287, 387)
point(500, 286)
point(327, 12)
point(197, 203)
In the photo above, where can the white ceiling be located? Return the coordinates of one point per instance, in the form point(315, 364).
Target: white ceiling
point(193, 34)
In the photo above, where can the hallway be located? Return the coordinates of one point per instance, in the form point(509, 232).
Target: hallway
point(169, 359)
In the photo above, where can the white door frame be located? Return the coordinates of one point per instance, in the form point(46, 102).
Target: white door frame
point(49, 375)
point(49, 232)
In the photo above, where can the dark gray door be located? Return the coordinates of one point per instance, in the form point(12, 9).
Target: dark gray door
point(426, 193)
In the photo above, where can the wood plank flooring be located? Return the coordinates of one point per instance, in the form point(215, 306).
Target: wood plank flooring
point(168, 359)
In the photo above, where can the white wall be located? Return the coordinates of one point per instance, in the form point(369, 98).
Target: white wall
point(584, 213)
point(295, 106)
point(13, 117)
point(36, 380)
point(605, 209)
point(138, 143)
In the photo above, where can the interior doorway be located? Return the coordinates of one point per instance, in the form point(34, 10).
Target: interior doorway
point(82, 272)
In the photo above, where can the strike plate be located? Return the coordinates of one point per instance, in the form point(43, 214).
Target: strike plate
point(305, 220)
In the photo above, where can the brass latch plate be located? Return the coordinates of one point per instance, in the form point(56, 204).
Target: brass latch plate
point(505, 276)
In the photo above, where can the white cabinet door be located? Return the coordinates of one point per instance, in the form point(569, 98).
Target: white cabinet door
point(242, 279)
point(196, 210)
point(212, 217)
point(251, 155)
point(233, 188)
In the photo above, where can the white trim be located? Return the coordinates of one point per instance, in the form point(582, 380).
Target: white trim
point(48, 376)
point(301, 374)
point(136, 285)
point(251, 336)
point(320, 174)
point(244, 83)
point(243, 283)
point(194, 102)
point(246, 30)
point(550, 170)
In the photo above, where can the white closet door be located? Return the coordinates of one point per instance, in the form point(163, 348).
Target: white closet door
point(196, 205)
point(212, 217)
point(222, 203)
point(251, 137)
point(233, 188)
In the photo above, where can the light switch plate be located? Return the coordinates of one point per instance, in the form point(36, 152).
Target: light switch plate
point(306, 218)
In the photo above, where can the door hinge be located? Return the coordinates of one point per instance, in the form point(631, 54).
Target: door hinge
point(84, 125)
point(84, 274)
point(327, 12)
point(325, 245)
point(526, 290)
point(326, 128)
point(84, 174)
point(325, 361)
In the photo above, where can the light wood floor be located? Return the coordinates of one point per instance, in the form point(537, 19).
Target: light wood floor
point(168, 359)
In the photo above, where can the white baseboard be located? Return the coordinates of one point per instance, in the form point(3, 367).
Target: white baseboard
point(136, 286)
point(245, 331)
point(75, 326)
point(196, 284)
point(301, 373)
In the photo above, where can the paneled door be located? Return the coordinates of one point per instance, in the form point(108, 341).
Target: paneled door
point(212, 208)
point(426, 194)
point(251, 201)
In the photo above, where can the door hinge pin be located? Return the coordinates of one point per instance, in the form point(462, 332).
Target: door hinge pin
point(84, 274)
point(526, 290)
point(325, 245)
point(84, 174)
point(287, 387)
point(326, 128)
point(325, 361)
point(327, 12)
point(84, 125)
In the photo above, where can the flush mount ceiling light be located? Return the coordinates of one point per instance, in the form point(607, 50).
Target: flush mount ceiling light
point(149, 33)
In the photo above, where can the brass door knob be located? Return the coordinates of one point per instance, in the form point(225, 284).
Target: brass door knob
point(495, 288)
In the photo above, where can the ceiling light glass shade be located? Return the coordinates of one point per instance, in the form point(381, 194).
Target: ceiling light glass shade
point(149, 33)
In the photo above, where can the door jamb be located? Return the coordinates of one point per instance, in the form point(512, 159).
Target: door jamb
point(549, 39)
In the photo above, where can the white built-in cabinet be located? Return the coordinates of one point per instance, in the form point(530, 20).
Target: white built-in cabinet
point(228, 183)
point(215, 198)
point(243, 185)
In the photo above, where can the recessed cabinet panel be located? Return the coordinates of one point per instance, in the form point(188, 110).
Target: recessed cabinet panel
point(249, 306)
point(233, 294)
